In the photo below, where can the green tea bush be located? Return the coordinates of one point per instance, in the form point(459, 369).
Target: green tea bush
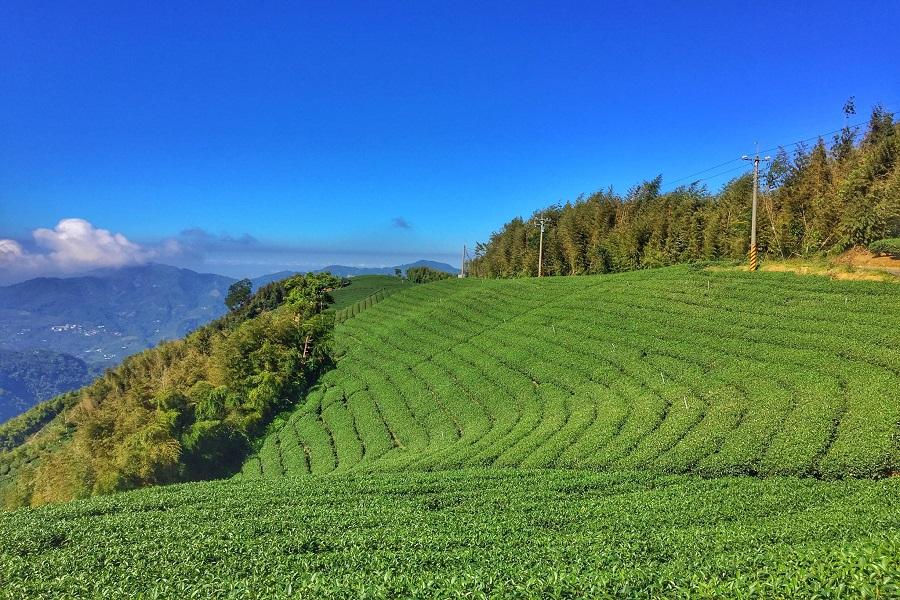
point(886, 246)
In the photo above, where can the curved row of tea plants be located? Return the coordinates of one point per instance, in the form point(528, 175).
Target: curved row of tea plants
point(477, 533)
point(673, 370)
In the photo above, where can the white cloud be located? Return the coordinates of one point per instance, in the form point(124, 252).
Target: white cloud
point(75, 245)
point(10, 250)
point(15, 258)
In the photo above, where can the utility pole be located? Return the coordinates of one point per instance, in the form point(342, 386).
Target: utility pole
point(542, 220)
point(754, 260)
point(462, 264)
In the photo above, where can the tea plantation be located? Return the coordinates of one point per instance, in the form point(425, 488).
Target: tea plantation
point(364, 286)
point(480, 533)
point(672, 371)
point(675, 432)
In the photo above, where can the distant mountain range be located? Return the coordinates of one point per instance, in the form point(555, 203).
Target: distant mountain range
point(107, 315)
point(58, 333)
point(262, 280)
point(345, 271)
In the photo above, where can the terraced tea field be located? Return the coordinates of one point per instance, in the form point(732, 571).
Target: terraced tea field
point(489, 533)
point(363, 286)
point(672, 370)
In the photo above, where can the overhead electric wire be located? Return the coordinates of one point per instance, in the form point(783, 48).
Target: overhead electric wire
point(822, 135)
point(787, 145)
point(732, 170)
point(745, 167)
point(728, 162)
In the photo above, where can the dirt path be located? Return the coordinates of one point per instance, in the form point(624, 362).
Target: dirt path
point(863, 259)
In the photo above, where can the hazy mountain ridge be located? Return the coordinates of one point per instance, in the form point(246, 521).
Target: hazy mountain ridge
point(262, 280)
point(32, 376)
point(57, 334)
point(103, 317)
point(350, 271)
point(346, 271)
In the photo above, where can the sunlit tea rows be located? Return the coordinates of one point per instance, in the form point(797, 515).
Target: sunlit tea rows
point(678, 370)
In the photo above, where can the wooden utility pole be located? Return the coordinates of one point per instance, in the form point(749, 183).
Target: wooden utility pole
point(754, 260)
point(542, 220)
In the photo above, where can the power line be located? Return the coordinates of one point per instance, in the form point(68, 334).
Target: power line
point(714, 176)
point(787, 145)
point(822, 135)
point(726, 172)
point(728, 162)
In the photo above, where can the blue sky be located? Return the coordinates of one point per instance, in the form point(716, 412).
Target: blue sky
point(253, 137)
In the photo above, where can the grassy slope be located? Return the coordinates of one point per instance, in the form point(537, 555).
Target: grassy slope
point(671, 371)
point(362, 287)
point(482, 533)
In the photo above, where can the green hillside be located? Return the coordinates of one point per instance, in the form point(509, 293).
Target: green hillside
point(186, 410)
point(676, 370)
point(677, 432)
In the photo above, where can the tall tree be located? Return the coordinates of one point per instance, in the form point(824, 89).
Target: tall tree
point(239, 293)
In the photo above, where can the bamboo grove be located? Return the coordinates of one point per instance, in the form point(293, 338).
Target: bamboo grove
point(819, 200)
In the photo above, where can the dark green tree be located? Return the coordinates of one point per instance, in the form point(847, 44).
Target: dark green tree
point(425, 275)
point(239, 293)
